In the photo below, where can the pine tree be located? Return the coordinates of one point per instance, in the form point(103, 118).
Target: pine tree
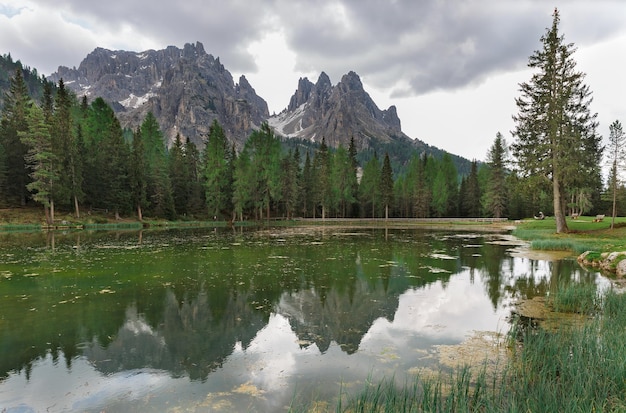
point(137, 174)
point(159, 186)
point(422, 192)
point(257, 181)
point(14, 121)
point(322, 190)
point(471, 194)
point(306, 196)
point(196, 200)
point(42, 161)
point(352, 153)
point(64, 147)
point(218, 180)
point(617, 156)
point(555, 131)
point(369, 188)
point(495, 196)
point(386, 185)
point(115, 178)
point(179, 176)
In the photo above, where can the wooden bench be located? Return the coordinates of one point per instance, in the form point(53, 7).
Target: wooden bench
point(598, 218)
point(575, 215)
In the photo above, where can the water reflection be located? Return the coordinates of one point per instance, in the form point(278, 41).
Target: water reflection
point(244, 317)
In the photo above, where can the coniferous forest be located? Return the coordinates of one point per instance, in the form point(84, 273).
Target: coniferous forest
point(65, 153)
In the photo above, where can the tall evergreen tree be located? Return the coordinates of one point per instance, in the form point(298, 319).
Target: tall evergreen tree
point(179, 176)
point(196, 200)
point(115, 177)
point(422, 192)
point(42, 161)
point(258, 176)
point(14, 121)
point(322, 190)
point(369, 188)
point(159, 186)
point(137, 174)
point(290, 181)
point(343, 181)
point(217, 170)
point(64, 146)
point(617, 156)
point(555, 131)
point(495, 197)
point(352, 153)
point(386, 185)
point(306, 196)
point(471, 194)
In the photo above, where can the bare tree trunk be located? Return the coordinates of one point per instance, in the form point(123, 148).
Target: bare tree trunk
point(561, 223)
point(51, 212)
point(614, 203)
point(76, 208)
point(139, 213)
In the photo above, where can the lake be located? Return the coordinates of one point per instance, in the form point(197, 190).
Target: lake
point(251, 320)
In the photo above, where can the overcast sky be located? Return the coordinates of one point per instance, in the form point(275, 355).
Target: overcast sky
point(451, 67)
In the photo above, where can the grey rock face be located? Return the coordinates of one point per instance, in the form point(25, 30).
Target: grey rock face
point(337, 113)
point(186, 89)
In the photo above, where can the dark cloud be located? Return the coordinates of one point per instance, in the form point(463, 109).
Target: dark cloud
point(409, 46)
point(431, 44)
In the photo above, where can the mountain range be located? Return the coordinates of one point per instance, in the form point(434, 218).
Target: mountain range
point(186, 89)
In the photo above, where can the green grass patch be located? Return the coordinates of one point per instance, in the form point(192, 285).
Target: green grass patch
point(584, 235)
point(579, 368)
point(581, 298)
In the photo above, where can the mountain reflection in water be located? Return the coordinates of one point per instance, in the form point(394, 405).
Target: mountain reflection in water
point(197, 318)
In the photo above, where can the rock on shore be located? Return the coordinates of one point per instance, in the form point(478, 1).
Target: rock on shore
point(607, 262)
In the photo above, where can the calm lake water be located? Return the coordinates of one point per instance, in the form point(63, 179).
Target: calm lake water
point(250, 320)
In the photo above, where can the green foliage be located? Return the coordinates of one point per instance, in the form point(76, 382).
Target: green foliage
point(575, 298)
point(555, 131)
point(218, 172)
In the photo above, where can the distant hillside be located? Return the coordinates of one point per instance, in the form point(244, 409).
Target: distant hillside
point(33, 81)
point(186, 89)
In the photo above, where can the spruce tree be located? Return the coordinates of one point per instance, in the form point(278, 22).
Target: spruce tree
point(14, 121)
point(386, 185)
point(42, 161)
point(471, 193)
point(617, 156)
point(369, 188)
point(137, 174)
point(322, 190)
point(159, 187)
point(179, 176)
point(218, 181)
point(495, 197)
point(306, 187)
point(555, 132)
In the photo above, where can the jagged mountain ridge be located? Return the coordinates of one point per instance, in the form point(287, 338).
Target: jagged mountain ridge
point(337, 113)
point(186, 89)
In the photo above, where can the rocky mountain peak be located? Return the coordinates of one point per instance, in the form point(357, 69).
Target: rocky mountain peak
point(186, 89)
point(337, 113)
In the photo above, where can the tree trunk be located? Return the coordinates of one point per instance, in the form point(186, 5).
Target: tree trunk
point(559, 216)
point(386, 212)
point(51, 212)
point(76, 209)
point(47, 214)
point(614, 203)
point(139, 213)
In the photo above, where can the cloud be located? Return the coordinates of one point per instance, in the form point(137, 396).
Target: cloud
point(409, 47)
point(432, 44)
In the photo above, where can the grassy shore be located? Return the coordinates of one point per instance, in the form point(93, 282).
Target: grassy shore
point(578, 367)
point(584, 235)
